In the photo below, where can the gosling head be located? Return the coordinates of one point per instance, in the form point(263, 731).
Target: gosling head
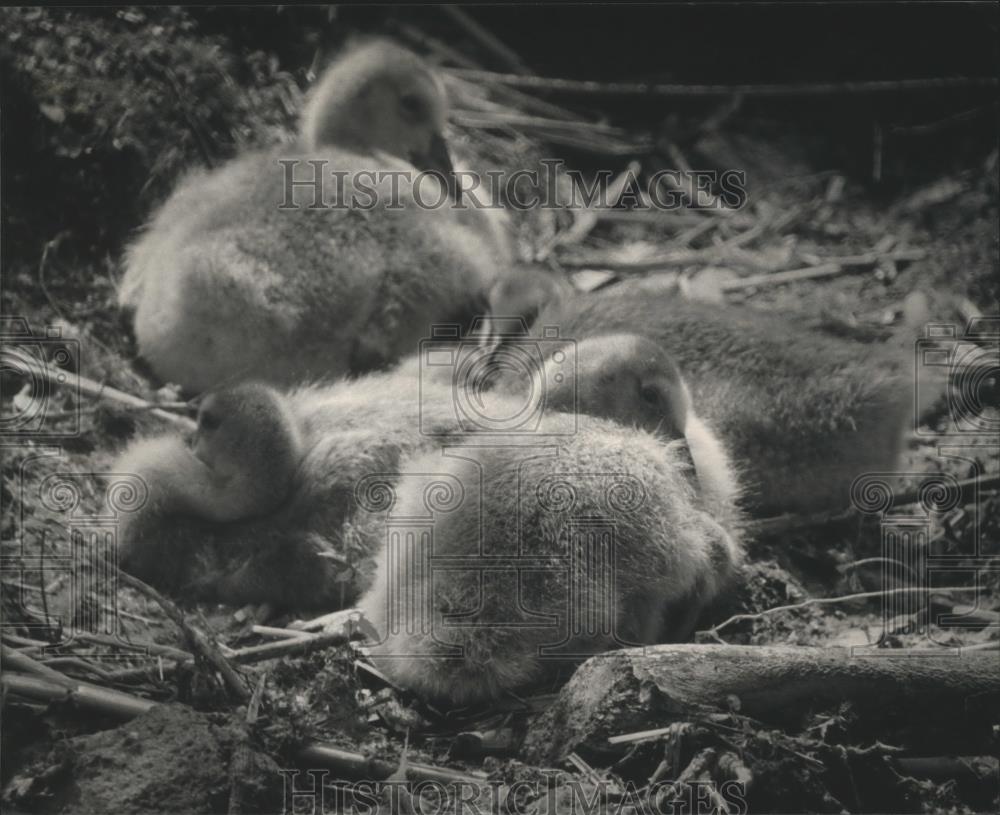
point(625, 378)
point(522, 294)
point(380, 97)
point(251, 448)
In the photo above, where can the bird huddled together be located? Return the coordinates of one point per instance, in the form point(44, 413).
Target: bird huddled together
point(497, 508)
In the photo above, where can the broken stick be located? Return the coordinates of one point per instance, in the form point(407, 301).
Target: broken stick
point(57, 377)
point(644, 688)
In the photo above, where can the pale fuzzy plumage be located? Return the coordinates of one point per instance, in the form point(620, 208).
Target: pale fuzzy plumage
point(671, 559)
point(802, 411)
point(379, 73)
point(225, 286)
point(310, 549)
point(295, 550)
point(718, 480)
point(299, 551)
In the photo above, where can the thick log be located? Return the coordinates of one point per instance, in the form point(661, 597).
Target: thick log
point(639, 689)
point(82, 694)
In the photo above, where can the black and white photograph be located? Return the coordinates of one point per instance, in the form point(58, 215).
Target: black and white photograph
point(500, 409)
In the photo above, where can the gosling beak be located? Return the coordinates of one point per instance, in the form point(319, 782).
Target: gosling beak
point(684, 454)
point(437, 158)
point(198, 449)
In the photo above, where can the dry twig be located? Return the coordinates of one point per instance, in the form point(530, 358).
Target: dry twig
point(202, 644)
point(356, 765)
point(68, 379)
point(783, 524)
point(713, 632)
point(583, 86)
point(504, 54)
point(81, 694)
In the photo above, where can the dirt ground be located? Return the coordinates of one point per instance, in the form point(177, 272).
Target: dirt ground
point(104, 109)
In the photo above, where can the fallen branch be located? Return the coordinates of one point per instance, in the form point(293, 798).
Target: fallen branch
point(778, 278)
point(594, 143)
point(552, 84)
point(783, 524)
point(821, 601)
point(13, 660)
point(302, 644)
point(82, 694)
point(277, 633)
point(356, 765)
point(24, 641)
point(203, 644)
point(501, 118)
point(439, 49)
point(116, 703)
point(644, 735)
point(583, 767)
point(343, 617)
point(256, 698)
point(298, 645)
point(654, 686)
point(78, 664)
point(514, 97)
point(585, 135)
point(153, 648)
point(503, 53)
point(59, 377)
point(159, 671)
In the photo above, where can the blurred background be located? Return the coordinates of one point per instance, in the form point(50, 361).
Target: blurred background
point(103, 107)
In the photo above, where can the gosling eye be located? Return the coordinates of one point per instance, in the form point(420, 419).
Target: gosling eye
point(413, 107)
point(650, 394)
point(209, 421)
